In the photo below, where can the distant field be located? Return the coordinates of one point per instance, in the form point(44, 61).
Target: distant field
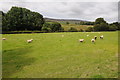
point(71, 22)
point(78, 27)
point(52, 56)
point(63, 21)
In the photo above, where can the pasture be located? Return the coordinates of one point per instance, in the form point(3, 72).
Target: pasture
point(52, 55)
point(78, 27)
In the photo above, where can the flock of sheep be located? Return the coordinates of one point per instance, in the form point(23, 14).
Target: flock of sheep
point(28, 41)
point(80, 40)
point(92, 40)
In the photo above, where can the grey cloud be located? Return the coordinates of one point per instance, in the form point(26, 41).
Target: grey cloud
point(91, 11)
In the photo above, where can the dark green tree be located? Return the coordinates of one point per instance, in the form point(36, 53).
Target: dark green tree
point(46, 29)
point(67, 23)
point(117, 24)
point(112, 27)
point(18, 18)
point(101, 25)
point(54, 26)
point(86, 23)
point(4, 25)
point(1, 13)
point(99, 21)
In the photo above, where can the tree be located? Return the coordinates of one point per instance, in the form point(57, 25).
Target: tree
point(46, 29)
point(1, 13)
point(101, 25)
point(54, 26)
point(86, 23)
point(4, 27)
point(113, 27)
point(73, 30)
point(18, 18)
point(99, 21)
point(117, 25)
point(67, 23)
point(89, 23)
point(61, 29)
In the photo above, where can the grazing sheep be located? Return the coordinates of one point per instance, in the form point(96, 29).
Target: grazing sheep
point(95, 37)
point(93, 40)
point(29, 41)
point(101, 37)
point(87, 35)
point(3, 38)
point(81, 40)
point(62, 35)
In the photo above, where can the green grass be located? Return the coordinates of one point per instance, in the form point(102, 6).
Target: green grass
point(52, 56)
point(78, 27)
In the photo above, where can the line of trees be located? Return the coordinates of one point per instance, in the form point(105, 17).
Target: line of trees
point(82, 23)
point(101, 25)
point(86, 23)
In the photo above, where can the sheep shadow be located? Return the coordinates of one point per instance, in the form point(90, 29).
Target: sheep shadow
point(14, 60)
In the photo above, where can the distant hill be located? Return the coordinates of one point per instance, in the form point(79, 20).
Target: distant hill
point(63, 21)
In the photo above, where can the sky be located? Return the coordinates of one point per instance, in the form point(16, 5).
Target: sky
point(81, 10)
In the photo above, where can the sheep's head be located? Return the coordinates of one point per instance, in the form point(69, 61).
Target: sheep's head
point(3, 38)
point(92, 40)
point(81, 40)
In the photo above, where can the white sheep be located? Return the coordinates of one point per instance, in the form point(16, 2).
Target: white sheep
point(101, 37)
point(87, 35)
point(81, 40)
point(3, 38)
point(62, 35)
point(29, 41)
point(93, 40)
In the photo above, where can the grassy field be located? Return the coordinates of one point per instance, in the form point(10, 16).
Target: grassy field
point(78, 27)
point(52, 56)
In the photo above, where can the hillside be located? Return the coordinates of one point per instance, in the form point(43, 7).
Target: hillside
point(78, 27)
point(63, 21)
point(72, 23)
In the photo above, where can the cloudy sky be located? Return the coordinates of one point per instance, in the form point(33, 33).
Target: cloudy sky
point(68, 10)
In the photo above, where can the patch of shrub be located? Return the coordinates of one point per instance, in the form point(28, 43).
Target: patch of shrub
point(72, 30)
point(52, 27)
point(89, 29)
